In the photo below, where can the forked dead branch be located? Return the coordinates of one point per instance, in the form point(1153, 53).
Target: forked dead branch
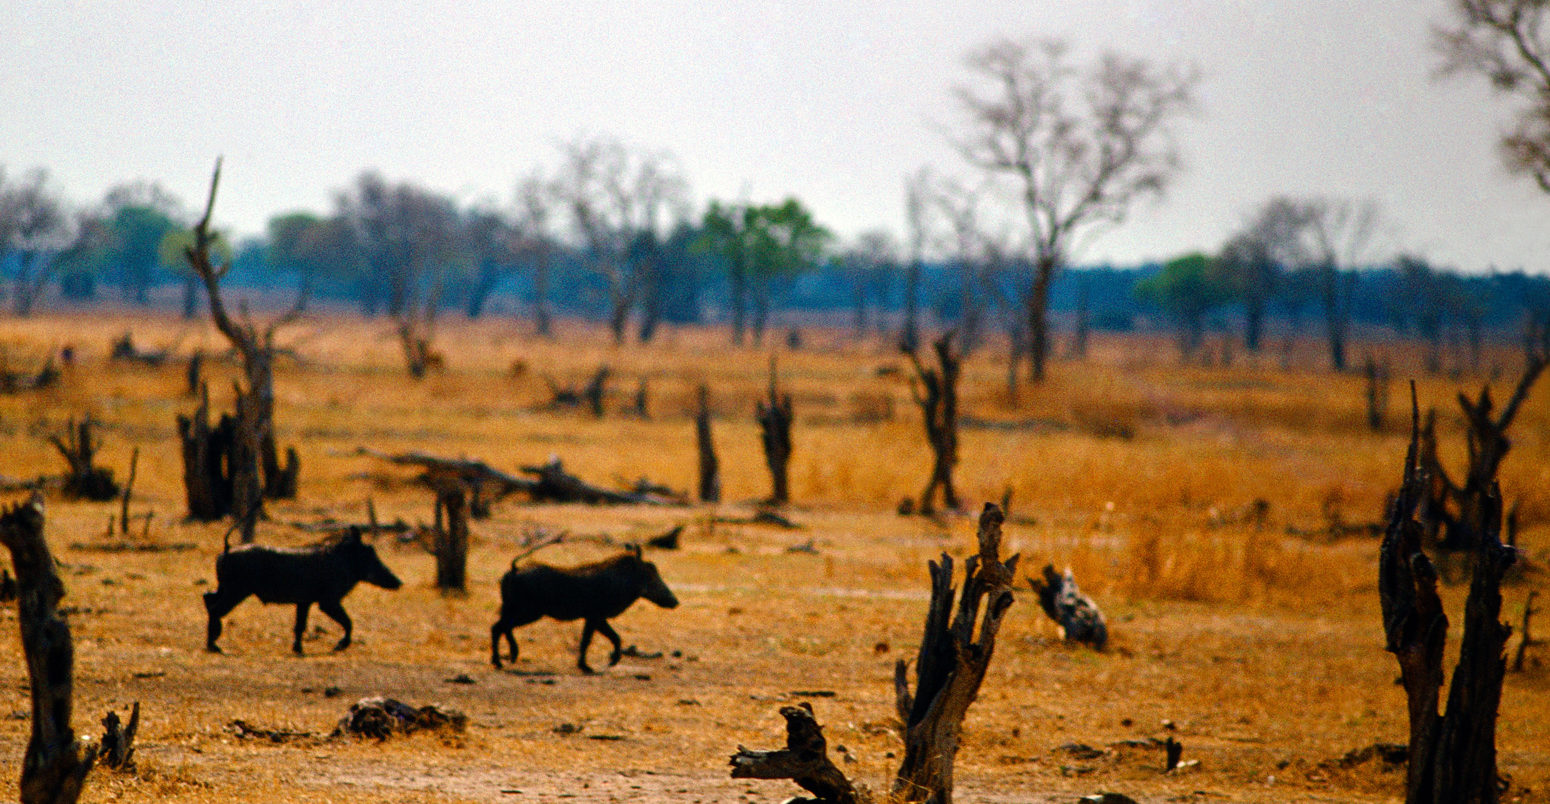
point(955, 652)
point(255, 467)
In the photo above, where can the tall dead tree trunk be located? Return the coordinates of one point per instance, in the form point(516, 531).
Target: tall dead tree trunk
point(951, 665)
point(774, 416)
point(936, 392)
point(1452, 754)
point(955, 652)
point(452, 537)
point(710, 467)
point(55, 765)
point(253, 445)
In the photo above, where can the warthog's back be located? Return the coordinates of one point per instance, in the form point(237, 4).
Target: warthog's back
point(599, 590)
point(283, 575)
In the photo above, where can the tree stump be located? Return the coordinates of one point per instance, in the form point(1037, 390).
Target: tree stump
point(452, 538)
point(710, 467)
point(207, 481)
point(774, 417)
point(951, 665)
point(1452, 755)
point(936, 392)
point(55, 764)
point(85, 480)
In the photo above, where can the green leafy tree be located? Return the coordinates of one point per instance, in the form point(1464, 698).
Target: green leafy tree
point(1188, 288)
point(784, 242)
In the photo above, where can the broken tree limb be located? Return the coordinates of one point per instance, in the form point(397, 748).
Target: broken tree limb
point(804, 760)
point(452, 538)
point(55, 764)
point(549, 482)
point(1452, 754)
point(1078, 616)
point(951, 665)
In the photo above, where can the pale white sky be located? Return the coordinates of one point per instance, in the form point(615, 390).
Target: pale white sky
point(834, 102)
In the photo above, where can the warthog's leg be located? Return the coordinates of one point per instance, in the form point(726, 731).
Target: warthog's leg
point(335, 610)
point(586, 640)
point(613, 636)
point(506, 627)
point(218, 606)
point(301, 626)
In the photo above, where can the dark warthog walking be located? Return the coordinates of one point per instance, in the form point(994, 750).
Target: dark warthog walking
point(321, 573)
point(592, 593)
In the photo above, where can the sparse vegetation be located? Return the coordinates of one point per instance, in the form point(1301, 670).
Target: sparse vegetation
point(1219, 608)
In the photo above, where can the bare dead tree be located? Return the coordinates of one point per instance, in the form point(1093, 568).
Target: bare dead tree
point(254, 466)
point(1452, 755)
point(1077, 167)
point(616, 197)
point(1507, 42)
point(935, 391)
point(774, 417)
point(451, 538)
point(35, 227)
point(84, 480)
point(56, 764)
point(536, 197)
point(710, 466)
point(1257, 256)
point(951, 664)
point(955, 652)
point(1339, 233)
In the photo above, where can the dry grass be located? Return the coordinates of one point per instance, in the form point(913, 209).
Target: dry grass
point(1262, 648)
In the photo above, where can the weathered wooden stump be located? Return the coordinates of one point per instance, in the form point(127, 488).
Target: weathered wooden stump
point(1452, 754)
point(774, 417)
point(55, 765)
point(84, 480)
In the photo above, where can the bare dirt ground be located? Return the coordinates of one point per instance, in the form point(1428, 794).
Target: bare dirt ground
point(1256, 645)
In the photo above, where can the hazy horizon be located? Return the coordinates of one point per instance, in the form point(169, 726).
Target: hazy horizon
point(832, 104)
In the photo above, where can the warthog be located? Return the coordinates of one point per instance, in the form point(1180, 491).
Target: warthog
point(592, 593)
point(322, 573)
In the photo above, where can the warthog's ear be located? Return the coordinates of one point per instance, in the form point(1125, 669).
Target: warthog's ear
point(352, 536)
point(633, 549)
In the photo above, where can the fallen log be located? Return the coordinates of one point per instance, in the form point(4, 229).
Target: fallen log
point(554, 484)
point(804, 760)
point(380, 718)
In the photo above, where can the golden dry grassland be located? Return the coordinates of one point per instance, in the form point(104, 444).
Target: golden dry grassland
point(1257, 645)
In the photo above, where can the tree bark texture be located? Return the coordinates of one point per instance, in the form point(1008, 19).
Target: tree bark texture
point(1452, 754)
point(55, 765)
point(955, 652)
